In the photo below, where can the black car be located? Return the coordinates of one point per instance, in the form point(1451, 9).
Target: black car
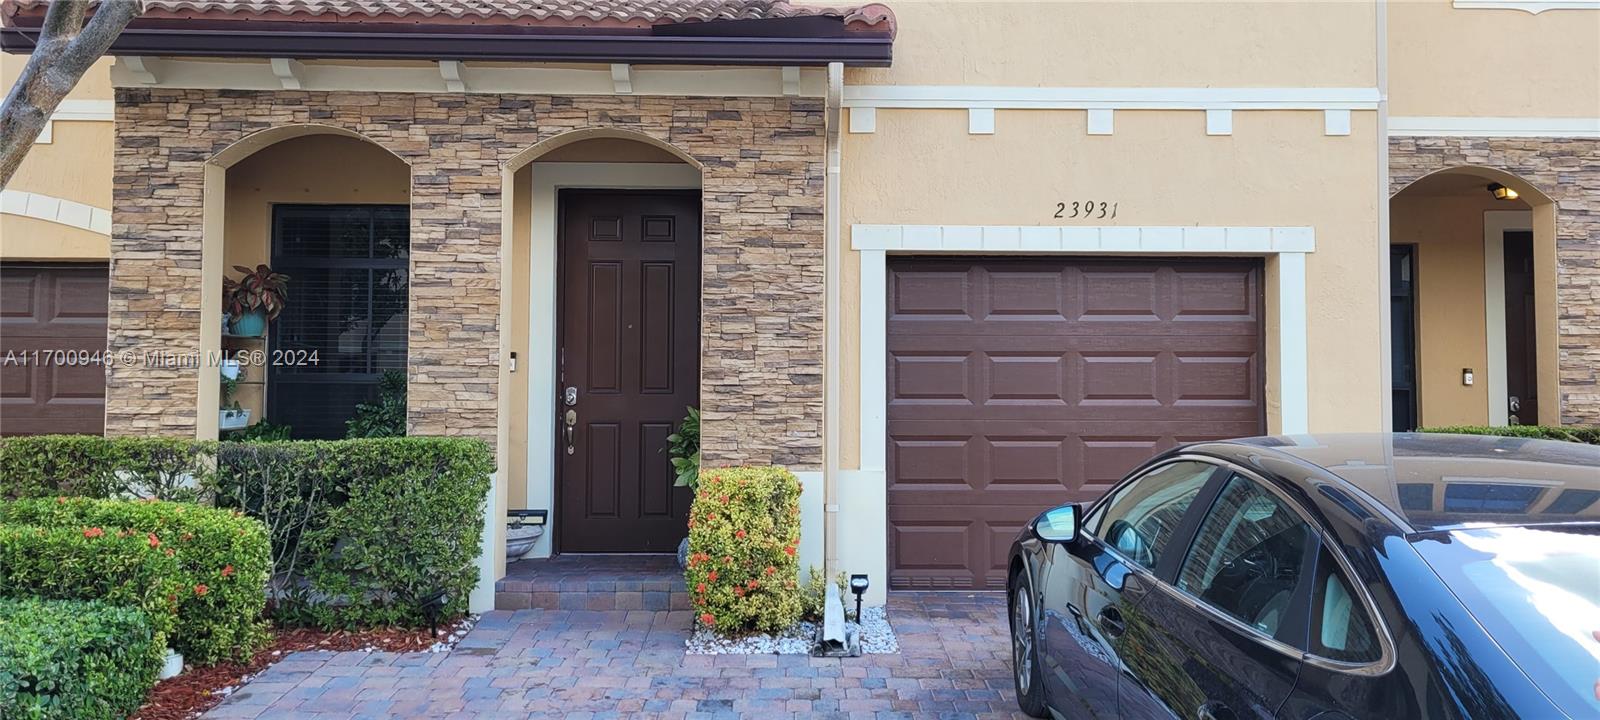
point(1339, 577)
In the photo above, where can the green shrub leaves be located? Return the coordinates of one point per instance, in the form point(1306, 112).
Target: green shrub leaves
point(73, 660)
point(744, 535)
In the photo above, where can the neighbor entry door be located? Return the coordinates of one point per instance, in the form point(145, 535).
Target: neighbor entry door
point(628, 368)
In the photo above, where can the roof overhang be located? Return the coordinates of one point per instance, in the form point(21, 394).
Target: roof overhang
point(777, 41)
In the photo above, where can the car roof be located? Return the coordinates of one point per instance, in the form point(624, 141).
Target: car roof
point(1427, 481)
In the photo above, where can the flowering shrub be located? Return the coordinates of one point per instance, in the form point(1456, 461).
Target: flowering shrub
point(221, 557)
point(116, 566)
point(744, 534)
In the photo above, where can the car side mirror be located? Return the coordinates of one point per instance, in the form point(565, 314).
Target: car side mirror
point(1058, 525)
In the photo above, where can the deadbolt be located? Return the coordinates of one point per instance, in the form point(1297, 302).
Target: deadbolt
point(570, 396)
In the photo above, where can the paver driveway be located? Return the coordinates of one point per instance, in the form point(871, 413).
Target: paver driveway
point(954, 663)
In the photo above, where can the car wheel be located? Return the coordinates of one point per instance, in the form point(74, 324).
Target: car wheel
point(1025, 670)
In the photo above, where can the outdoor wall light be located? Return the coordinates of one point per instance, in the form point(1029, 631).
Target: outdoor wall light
point(858, 585)
point(1502, 192)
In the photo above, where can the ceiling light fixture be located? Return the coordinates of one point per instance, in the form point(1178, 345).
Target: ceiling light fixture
point(1502, 192)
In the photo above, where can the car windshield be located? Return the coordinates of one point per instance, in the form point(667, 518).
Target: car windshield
point(1537, 591)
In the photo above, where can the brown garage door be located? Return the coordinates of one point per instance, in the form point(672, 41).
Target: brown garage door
point(1017, 384)
point(52, 321)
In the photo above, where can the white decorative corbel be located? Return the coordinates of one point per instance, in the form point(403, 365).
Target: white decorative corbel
point(138, 69)
point(450, 70)
point(622, 78)
point(791, 80)
point(288, 72)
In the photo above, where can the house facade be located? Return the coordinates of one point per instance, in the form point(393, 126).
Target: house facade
point(951, 263)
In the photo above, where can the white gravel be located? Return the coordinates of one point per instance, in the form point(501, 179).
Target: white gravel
point(877, 638)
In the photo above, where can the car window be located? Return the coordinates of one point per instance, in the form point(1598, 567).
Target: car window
point(1247, 556)
point(1340, 627)
point(1139, 520)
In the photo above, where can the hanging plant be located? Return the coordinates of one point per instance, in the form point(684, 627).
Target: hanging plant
point(260, 289)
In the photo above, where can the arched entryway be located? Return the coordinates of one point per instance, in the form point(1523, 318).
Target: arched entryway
point(330, 210)
point(604, 278)
point(1472, 289)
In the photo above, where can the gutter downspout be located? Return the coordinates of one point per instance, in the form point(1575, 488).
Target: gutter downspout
point(832, 260)
point(1385, 341)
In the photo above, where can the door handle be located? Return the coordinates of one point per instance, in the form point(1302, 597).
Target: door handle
point(1110, 620)
point(1214, 711)
point(571, 421)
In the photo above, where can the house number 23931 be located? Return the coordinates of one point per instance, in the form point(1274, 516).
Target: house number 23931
point(1086, 210)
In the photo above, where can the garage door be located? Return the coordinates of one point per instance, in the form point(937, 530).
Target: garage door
point(1017, 384)
point(52, 319)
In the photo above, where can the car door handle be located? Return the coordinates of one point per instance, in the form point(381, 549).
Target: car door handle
point(1110, 620)
point(1214, 711)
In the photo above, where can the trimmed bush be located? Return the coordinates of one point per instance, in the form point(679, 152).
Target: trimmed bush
point(75, 660)
point(222, 564)
point(363, 531)
point(744, 534)
point(1589, 435)
point(94, 466)
point(119, 567)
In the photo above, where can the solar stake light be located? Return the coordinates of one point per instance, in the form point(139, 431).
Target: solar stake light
point(858, 585)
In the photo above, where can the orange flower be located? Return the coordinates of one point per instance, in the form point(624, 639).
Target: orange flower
point(700, 588)
point(172, 598)
point(771, 569)
point(752, 584)
point(155, 542)
point(707, 619)
point(226, 571)
point(738, 591)
point(724, 499)
point(739, 534)
point(170, 553)
point(188, 536)
point(727, 560)
point(61, 501)
point(201, 589)
point(93, 532)
point(711, 517)
point(712, 577)
point(789, 550)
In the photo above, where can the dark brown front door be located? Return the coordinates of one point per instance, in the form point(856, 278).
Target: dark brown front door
point(630, 363)
point(52, 339)
point(1522, 361)
point(1017, 384)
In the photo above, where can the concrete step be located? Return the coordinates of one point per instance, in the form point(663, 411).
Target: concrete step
point(593, 582)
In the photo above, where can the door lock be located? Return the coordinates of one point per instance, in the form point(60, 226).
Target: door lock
point(571, 422)
point(570, 396)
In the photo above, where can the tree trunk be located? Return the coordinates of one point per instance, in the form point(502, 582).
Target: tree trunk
point(67, 48)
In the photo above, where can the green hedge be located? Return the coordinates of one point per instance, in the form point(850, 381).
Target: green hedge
point(75, 660)
point(222, 565)
point(744, 533)
point(363, 530)
point(1590, 435)
point(119, 567)
point(94, 466)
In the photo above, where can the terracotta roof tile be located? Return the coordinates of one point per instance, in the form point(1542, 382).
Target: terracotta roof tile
point(549, 13)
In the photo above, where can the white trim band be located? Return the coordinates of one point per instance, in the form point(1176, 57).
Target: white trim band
point(1126, 98)
point(472, 78)
point(57, 210)
point(1528, 6)
point(1421, 126)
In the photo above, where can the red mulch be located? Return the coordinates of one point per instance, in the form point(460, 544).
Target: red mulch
point(194, 691)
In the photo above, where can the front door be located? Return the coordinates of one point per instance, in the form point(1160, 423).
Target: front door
point(1522, 362)
point(629, 365)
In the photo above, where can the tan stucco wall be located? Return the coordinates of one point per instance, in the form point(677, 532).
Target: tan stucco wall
point(1448, 61)
point(1448, 234)
point(1130, 43)
point(322, 169)
point(75, 165)
point(1277, 169)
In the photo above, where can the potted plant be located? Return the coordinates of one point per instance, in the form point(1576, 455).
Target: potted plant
point(254, 299)
point(683, 448)
point(231, 416)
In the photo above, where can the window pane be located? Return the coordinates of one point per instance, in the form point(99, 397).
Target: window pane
point(327, 312)
point(330, 232)
point(1140, 520)
point(391, 232)
point(1340, 628)
point(1247, 557)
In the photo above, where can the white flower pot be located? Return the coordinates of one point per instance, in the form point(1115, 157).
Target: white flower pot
point(232, 419)
point(172, 665)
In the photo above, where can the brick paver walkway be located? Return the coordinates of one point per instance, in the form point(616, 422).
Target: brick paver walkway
point(954, 663)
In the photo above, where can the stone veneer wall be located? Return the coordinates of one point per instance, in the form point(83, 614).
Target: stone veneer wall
point(762, 185)
point(1568, 170)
